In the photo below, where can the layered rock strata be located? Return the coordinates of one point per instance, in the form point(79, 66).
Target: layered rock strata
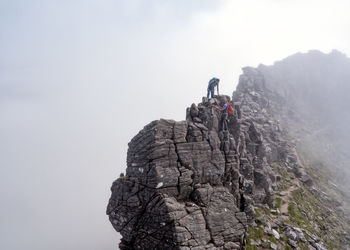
point(189, 185)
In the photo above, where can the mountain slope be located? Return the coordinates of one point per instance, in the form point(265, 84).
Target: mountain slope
point(284, 91)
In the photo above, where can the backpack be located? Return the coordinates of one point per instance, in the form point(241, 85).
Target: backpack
point(229, 109)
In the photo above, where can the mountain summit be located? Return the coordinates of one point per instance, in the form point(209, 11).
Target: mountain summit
point(276, 178)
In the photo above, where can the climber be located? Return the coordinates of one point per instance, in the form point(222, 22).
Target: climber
point(226, 110)
point(211, 87)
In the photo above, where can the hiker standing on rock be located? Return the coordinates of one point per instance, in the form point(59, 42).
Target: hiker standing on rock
point(214, 82)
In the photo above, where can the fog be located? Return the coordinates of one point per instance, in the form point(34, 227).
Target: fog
point(315, 88)
point(79, 78)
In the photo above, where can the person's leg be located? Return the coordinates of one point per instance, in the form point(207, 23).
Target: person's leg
point(224, 122)
point(212, 92)
point(208, 93)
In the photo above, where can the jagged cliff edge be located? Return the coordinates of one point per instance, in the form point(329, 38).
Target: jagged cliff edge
point(190, 186)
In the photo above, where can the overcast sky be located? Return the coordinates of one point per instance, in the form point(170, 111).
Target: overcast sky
point(78, 79)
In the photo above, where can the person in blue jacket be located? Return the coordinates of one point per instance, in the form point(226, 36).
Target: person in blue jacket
point(227, 110)
point(214, 82)
point(224, 115)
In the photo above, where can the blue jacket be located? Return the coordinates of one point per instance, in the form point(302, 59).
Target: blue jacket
point(214, 82)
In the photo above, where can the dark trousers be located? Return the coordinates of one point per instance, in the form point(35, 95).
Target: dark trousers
point(224, 126)
point(210, 91)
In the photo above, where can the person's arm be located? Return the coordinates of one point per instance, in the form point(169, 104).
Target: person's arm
point(219, 108)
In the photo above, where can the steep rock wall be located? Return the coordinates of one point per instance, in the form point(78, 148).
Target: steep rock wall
point(189, 185)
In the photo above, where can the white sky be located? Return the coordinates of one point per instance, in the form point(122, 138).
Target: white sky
point(78, 79)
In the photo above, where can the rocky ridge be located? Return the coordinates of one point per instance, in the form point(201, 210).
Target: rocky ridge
point(302, 203)
point(189, 185)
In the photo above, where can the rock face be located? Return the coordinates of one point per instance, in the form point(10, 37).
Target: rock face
point(189, 185)
point(302, 99)
point(263, 107)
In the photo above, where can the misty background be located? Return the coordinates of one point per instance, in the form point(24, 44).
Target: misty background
point(78, 79)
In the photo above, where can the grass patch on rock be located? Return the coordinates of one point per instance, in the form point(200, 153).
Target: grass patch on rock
point(278, 202)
